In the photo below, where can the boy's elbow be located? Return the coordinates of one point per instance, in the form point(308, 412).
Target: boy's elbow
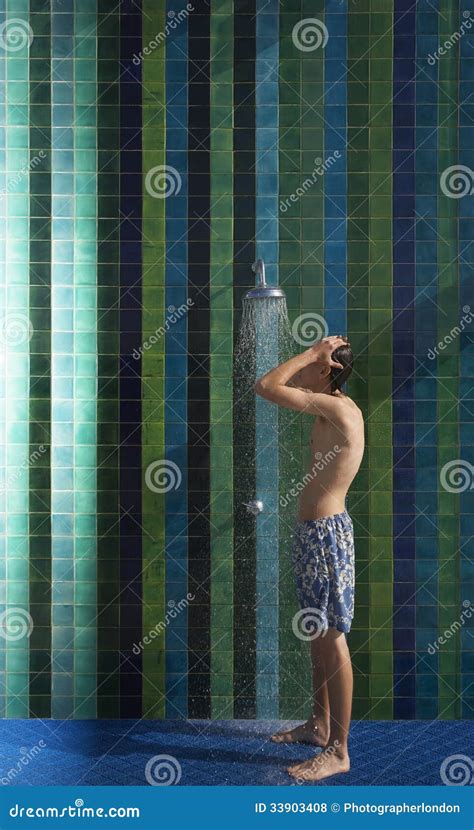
point(262, 388)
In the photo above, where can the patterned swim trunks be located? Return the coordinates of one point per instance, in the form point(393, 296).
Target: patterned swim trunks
point(323, 558)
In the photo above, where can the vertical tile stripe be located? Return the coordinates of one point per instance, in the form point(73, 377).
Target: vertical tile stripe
point(130, 380)
point(152, 364)
point(454, 238)
point(425, 387)
point(40, 366)
point(244, 430)
point(4, 353)
point(221, 347)
point(379, 234)
point(16, 347)
point(335, 181)
point(62, 366)
point(85, 362)
point(266, 447)
point(464, 662)
point(199, 703)
point(403, 223)
point(176, 363)
point(108, 301)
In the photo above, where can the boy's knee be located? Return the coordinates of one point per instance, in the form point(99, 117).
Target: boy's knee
point(332, 640)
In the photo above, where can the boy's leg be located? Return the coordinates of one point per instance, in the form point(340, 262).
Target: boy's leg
point(338, 672)
point(321, 708)
point(339, 680)
point(316, 729)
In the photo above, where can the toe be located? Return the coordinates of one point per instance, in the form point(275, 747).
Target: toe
point(284, 738)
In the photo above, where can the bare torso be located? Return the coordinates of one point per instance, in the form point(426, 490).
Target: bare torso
point(337, 448)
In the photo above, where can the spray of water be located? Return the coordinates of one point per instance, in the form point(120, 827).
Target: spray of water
point(264, 341)
point(267, 461)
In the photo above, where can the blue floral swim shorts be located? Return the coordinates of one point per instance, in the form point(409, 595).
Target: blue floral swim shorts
point(323, 558)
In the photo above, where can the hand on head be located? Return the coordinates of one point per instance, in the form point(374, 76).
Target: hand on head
point(324, 348)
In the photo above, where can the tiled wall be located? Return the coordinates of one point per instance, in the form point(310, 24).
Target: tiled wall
point(148, 155)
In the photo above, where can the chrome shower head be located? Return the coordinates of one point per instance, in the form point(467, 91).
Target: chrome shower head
point(262, 290)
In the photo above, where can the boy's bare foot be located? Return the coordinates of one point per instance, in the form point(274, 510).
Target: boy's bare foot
point(311, 732)
point(321, 766)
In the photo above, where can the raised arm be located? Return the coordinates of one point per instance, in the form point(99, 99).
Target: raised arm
point(273, 385)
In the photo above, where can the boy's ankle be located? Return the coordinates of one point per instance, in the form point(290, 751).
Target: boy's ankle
point(338, 748)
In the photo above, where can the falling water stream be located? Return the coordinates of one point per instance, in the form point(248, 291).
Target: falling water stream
point(265, 463)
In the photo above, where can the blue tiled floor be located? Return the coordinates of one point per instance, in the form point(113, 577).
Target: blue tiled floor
point(220, 752)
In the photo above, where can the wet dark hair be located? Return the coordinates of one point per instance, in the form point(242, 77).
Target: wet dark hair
point(338, 377)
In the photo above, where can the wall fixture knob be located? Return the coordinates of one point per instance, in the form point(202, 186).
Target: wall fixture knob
point(254, 506)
